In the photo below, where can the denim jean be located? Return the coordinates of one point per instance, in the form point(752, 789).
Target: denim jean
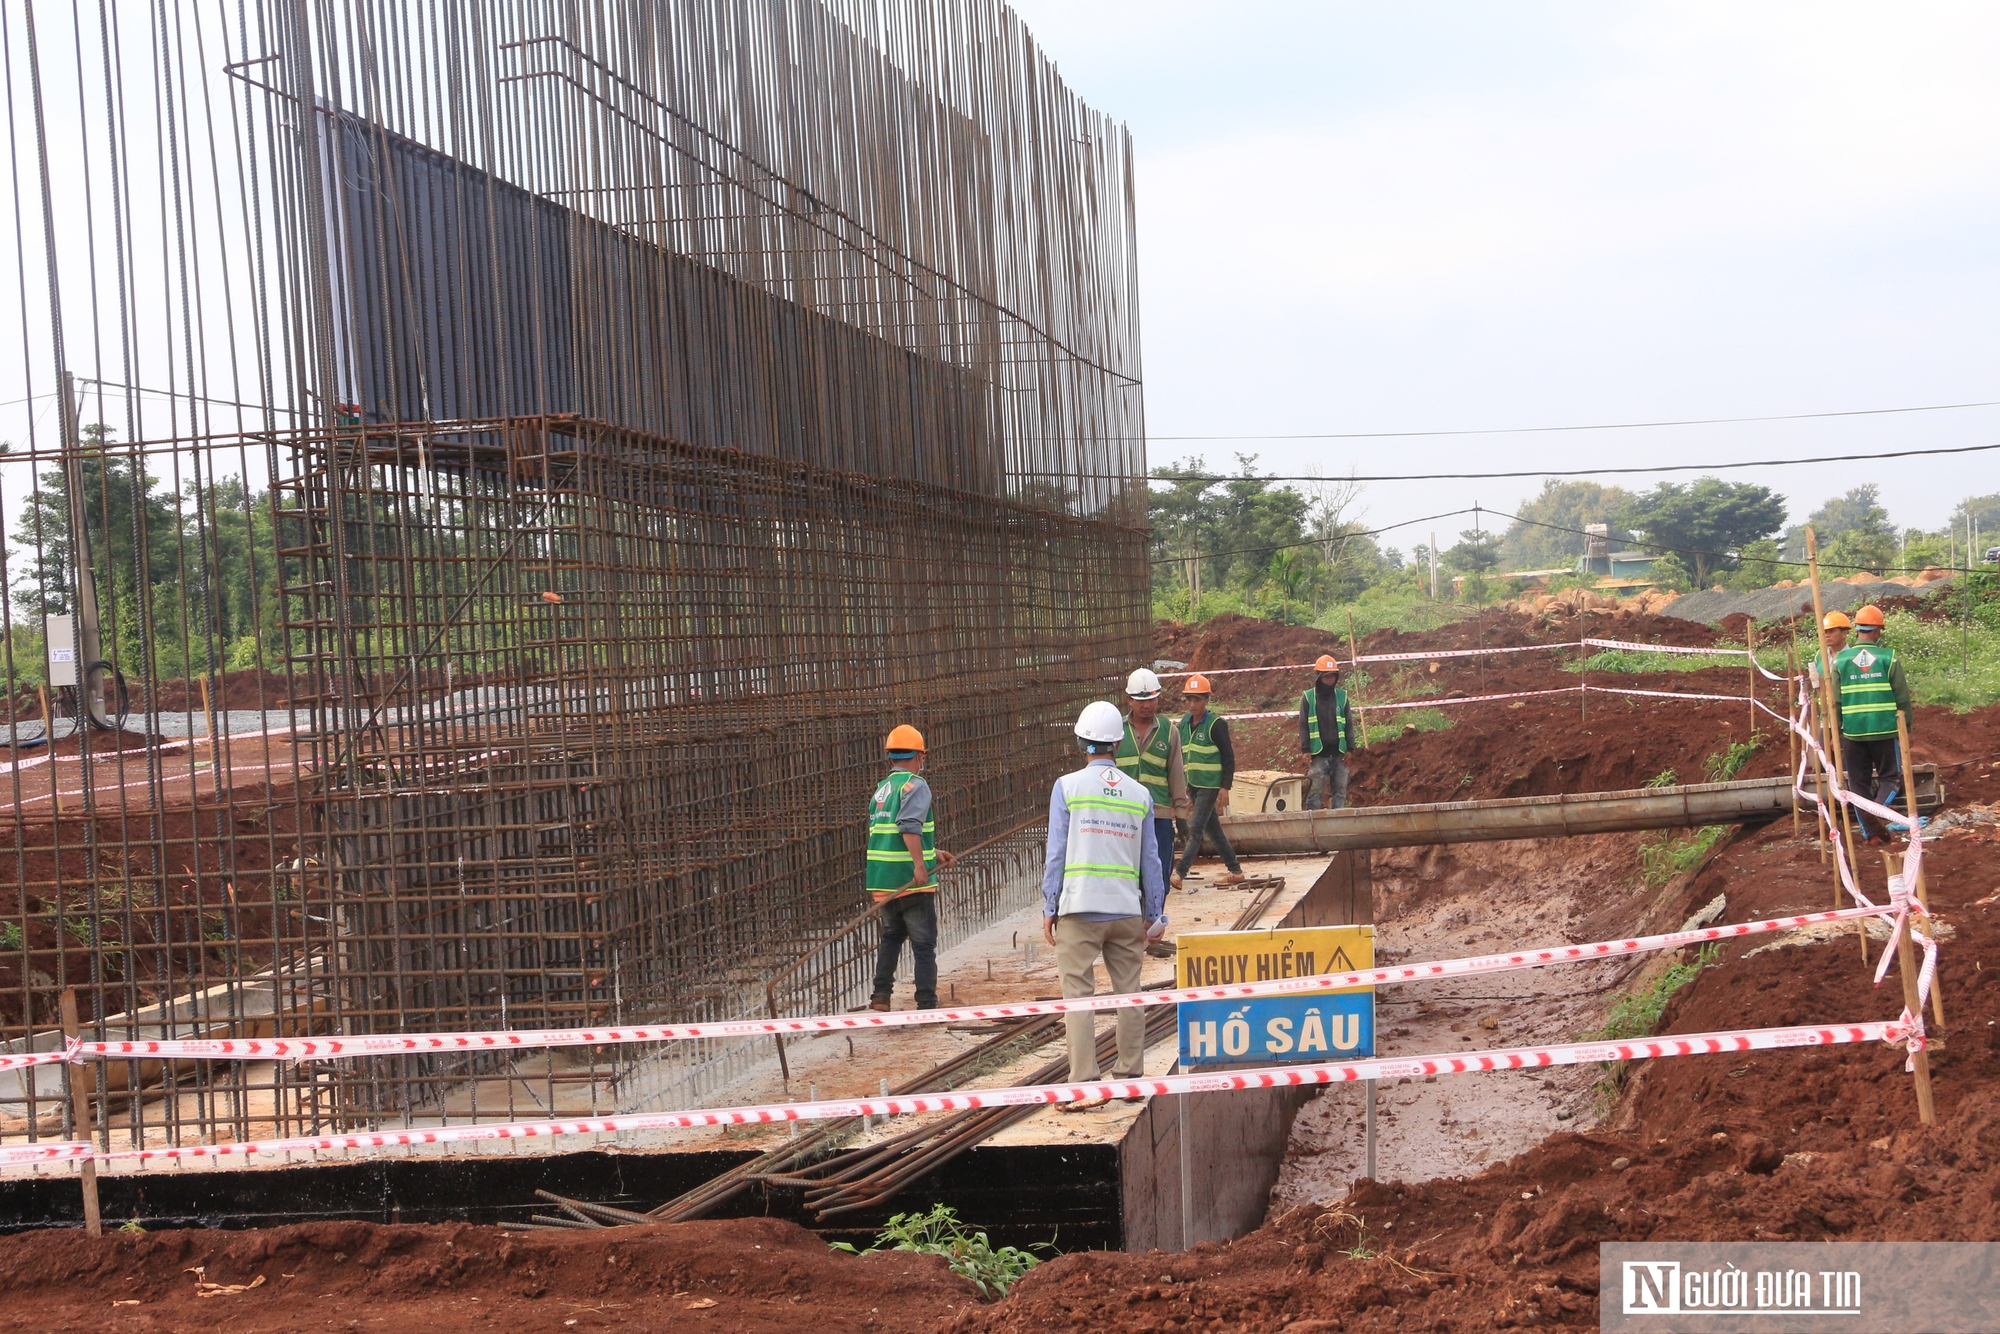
point(1204, 821)
point(1326, 777)
point(913, 917)
point(1163, 834)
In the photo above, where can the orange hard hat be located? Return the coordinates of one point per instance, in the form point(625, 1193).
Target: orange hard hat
point(904, 737)
point(1869, 615)
point(1836, 620)
point(1196, 684)
point(1326, 663)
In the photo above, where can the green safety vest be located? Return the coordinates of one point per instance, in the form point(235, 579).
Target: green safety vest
point(1201, 757)
point(1310, 703)
point(889, 868)
point(1150, 766)
point(1867, 700)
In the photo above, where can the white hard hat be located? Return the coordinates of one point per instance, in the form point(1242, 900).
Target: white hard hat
point(1101, 722)
point(1142, 684)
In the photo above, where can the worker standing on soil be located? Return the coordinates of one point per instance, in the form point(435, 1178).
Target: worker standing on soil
point(1210, 762)
point(902, 853)
point(1151, 752)
point(1324, 729)
point(1103, 891)
point(1872, 692)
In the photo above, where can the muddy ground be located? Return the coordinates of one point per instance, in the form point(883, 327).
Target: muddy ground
point(1465, 1232)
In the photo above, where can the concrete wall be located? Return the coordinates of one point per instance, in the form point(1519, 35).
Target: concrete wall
point(1236, 1143)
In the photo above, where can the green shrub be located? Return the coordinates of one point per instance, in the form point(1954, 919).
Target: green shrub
point(992, 1269)
point(1726, 764)
point(1664, 778)
point(1636, 1014)
point(1662, 861)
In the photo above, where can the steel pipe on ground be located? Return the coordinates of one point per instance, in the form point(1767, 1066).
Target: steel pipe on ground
point(1751, 801)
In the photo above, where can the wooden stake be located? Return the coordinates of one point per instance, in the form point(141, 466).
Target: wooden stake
point(1831, 695)
point(49, 740)
point(1750, 638)
point(82, 1079)
point(1907, 966)
point(1354, 658)
point(1791, 737)
point(1910, 806)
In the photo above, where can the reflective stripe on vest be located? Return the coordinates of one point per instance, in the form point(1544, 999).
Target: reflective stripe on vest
point(1150, 765)
point(1310, 703)
point(889, 865)
point(1109, 813)
point(1200, 756)
point(1867, 698)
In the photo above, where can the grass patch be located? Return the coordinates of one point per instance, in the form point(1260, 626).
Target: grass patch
point(1634, 662)
point(992, 1269)
point(1726, 764)
point(1409, 612)
point(1637, 1013)
point(1949, 662)
point(1662, 861)
point(1664, 778)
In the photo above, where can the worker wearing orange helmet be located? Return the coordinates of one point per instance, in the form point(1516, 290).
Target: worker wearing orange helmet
point(902, 853)
point(1324, 729)
point(1210, 762)
point(1873, 691)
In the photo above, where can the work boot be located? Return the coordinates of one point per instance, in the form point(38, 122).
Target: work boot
point(1233, 878)
point(1176, 879)
point(878, 1003)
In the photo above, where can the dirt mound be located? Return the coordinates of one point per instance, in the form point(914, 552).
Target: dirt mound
point(1786, 1145)
point(751, 1274)
point(1511, 748)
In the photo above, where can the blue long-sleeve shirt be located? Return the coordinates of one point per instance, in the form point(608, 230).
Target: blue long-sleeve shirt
point(1152, 879)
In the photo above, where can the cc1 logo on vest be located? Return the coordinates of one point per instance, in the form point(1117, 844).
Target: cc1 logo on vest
point(1865, 660)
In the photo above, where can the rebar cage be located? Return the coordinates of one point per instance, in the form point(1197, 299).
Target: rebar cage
point(587, 429)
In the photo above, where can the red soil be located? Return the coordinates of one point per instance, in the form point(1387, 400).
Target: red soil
point(751, 1274)
point(1807, 1144)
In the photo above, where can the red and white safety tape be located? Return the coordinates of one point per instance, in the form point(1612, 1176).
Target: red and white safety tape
point(1295, 1076)
point(387, 1044)
point(1438, 655)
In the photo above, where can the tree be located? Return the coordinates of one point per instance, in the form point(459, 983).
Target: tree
point(1566, 505)
point(1759, 567)
point(1669, 573)
point(1476, 552)
point(1705, 521)
point(1857, 508)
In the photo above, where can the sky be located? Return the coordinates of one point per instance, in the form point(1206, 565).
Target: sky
point(1447, 216)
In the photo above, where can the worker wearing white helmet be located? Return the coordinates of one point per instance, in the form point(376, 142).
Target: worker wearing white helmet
point(1150, 750)
point(1104, 891)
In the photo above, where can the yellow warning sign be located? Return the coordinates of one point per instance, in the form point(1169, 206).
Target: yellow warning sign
point(1219, 958)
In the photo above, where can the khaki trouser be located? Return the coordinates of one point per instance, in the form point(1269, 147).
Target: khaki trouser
point(1122, 942)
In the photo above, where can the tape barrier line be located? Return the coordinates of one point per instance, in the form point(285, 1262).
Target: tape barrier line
point(1296, 1076)
point(1452, 701)
point(1441, 654)
point(58, 1151)
point(386, 1044)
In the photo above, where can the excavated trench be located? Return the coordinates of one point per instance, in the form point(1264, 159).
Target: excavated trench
point(1445, 901)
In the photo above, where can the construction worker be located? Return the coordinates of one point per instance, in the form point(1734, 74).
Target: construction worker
point(1872, 692)
point(1150, 751)
point(1103, 891)
point(1210, 763)
point(902, 853)
point(1324, 729)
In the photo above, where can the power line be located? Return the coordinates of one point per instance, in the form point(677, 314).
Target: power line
point(1320, 541)
point(1602, 426)
point(1216, 478)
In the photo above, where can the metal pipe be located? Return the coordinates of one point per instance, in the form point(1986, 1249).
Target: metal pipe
point(1751, 801)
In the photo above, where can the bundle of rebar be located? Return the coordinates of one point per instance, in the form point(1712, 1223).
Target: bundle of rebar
point(509, 465)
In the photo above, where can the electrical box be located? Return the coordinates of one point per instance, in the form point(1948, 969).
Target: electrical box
point(61, 632)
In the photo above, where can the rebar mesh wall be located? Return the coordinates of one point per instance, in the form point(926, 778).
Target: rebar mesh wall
point(564, 438)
